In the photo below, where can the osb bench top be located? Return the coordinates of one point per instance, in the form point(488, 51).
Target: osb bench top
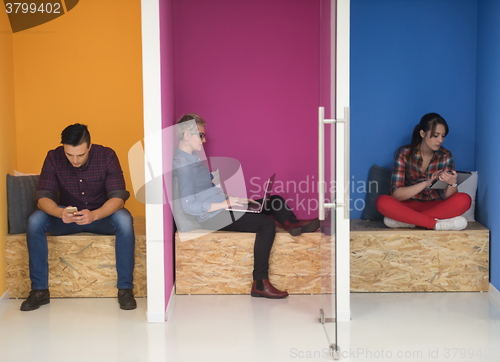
point(364, 226)
point(139, 228)
point(359, 226)
point(201, 232)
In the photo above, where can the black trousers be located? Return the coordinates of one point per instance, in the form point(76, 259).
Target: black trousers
point(262, 225)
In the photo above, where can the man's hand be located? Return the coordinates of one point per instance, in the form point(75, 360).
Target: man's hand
point(67, 217)
point(84, 217)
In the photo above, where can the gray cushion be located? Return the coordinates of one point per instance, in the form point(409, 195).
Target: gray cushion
point(379, 183)
point(469, 186)
point(21, 201)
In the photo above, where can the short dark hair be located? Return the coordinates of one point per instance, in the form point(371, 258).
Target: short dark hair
point(75, 135)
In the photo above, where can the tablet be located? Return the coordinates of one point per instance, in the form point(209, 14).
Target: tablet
point(441, 185)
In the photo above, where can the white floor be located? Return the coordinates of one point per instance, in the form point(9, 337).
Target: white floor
point(385, 327)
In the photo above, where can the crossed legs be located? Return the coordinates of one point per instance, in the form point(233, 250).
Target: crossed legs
point(423, 214)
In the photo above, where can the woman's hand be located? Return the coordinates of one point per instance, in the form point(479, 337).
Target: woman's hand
point(231, 201)
point(450, 177)
point(434, 176)
point(246, 201)
point(240, 201)
point(235, 201)
point(407, 192)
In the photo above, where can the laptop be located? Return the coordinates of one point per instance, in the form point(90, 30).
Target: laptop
point(441, 185)
point(256, 208)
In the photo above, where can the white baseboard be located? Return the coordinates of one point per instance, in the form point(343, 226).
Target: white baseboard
point(5, 295)
point(162, 317)
point(155, 317)
point(344, 315)
point(494, 295)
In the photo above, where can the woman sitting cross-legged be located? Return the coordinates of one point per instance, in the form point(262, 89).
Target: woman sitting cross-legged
point(199, 197)
point(412, 201)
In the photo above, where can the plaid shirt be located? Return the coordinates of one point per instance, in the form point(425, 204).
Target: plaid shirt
point(86, 187)
point(408, 172)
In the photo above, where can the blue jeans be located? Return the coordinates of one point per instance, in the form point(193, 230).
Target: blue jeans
point(119, 223)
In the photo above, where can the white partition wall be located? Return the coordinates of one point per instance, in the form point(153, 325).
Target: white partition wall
point(333, 189)
point(342, 163)
point(153, 159)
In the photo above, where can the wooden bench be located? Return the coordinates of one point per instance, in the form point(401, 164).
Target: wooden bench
point(382, 260)
point(221, 262)
point(80, 265)
point(418, 260)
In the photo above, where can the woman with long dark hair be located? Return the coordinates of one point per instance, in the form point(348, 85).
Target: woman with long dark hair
point(412, 202)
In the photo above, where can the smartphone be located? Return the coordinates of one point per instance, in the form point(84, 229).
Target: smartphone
point(71, 209)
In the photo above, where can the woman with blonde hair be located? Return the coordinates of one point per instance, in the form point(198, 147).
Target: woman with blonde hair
point(199, 197)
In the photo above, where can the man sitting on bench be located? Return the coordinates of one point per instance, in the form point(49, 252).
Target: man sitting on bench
point(92, 193)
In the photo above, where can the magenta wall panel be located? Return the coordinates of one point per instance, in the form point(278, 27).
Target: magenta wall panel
point(252, 70)
point(167, 90)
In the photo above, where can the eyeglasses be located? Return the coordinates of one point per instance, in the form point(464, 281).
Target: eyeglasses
point(202, 135)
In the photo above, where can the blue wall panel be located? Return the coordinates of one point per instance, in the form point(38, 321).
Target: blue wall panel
point(488, 127)
point(409, 58)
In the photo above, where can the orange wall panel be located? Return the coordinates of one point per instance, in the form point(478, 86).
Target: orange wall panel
point(84, 67)
point(7, 131)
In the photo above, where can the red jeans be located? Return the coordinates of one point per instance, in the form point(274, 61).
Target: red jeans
point(423, 213)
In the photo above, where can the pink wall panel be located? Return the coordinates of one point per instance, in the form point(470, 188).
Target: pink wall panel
point(167, 88)
point(327, 97)
point(252, 70)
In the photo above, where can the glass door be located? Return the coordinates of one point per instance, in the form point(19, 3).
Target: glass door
point(334, 174)
point(327, 215)
point(326, 174)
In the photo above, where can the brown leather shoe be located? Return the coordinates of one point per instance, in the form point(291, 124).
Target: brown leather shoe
point(266, 290)
point(36, 299)
point(301, 226)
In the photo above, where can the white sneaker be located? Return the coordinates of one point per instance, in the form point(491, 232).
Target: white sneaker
point(393, 224)
point(455, 223)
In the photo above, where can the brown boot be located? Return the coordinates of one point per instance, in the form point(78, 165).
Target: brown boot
point(264, 288)
point(301, 226)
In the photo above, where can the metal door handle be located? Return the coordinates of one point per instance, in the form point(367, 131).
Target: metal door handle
point(341, 154)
